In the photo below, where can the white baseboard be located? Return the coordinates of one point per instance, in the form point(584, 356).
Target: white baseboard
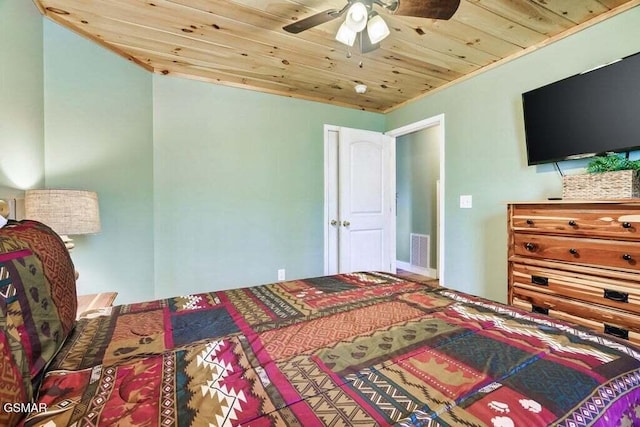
point(429, 272)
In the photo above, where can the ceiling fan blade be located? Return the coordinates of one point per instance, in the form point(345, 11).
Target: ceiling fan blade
point(312, 21)
point(435, 9)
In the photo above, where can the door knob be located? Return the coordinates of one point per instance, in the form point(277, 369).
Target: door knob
point(346, 223)
point(334, 222)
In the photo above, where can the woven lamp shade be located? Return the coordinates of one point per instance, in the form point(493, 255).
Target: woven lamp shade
point(67, 212)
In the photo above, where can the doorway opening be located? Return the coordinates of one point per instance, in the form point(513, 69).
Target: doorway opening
point(419, 197)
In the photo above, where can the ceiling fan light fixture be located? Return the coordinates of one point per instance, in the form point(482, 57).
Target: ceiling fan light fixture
point(357, 16)
point(346, 35)
point(377, 29)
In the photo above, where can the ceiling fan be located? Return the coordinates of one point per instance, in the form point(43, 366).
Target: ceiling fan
point(360, 15)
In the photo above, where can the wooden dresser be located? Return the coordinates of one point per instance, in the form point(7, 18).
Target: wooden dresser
point(578, 261)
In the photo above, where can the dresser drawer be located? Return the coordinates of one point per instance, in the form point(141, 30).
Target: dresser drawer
point(616, 322)
point(580, 309)
point(595, 325)
point(614, 293)
point(607, 253)
point(593, 220)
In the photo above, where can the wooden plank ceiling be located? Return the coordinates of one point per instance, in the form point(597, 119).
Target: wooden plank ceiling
point(241, 43)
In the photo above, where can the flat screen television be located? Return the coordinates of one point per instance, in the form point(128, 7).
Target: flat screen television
point(585, 115)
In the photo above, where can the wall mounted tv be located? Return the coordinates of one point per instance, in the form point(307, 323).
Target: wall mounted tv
point(584, 115)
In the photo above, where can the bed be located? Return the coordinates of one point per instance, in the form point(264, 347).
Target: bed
point(362, 349)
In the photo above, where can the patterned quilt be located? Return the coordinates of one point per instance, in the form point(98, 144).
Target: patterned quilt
point(354, 349)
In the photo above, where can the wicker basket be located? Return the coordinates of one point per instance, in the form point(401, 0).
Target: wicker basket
point(607, 185)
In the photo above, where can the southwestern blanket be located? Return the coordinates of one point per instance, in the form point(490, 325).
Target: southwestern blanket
point(353, 349)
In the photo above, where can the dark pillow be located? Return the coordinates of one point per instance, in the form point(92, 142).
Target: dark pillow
point(38, 306)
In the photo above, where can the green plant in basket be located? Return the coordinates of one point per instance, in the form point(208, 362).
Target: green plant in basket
point(612, 163)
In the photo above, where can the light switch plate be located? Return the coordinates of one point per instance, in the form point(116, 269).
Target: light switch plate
point(466, 201)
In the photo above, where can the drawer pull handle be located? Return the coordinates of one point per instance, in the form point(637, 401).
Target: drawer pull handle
point(572, 223)
point(616, 295)
point(529, 222)
point(539, 280)
point(627, 257)
point(626, 225)
point(573, 251)
point(616, 332)
point(539, 310)
point(530, 246)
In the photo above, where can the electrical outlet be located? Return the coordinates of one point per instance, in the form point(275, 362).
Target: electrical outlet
point(466, 201)
point(281, 274)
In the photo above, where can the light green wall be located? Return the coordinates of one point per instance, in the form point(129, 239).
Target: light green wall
point(98, 136)
point(417, 172)
point(485, 150)
point(227, 182)
point(238, 184)
point(403, 200)
point(21, 98)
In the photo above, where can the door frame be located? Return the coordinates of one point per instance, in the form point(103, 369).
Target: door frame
point(394, 133)
point(415, 127)
point(330, 183)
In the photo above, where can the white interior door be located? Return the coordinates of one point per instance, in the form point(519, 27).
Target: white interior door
point(360, 201)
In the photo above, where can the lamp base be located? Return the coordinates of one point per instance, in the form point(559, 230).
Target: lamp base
point(68, 242)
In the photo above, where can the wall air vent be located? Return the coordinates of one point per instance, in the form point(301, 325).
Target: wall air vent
point(419, 255)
